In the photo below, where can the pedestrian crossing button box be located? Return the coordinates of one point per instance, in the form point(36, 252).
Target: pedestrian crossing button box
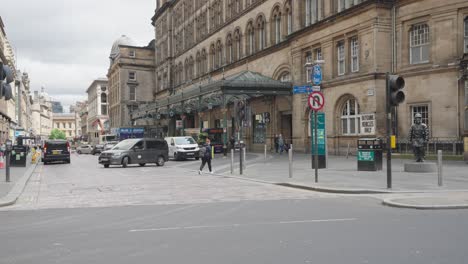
point(369, 154)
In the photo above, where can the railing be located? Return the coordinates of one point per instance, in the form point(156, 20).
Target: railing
point(450, 146)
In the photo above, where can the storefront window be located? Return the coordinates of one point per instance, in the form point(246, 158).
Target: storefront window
point(259, 129)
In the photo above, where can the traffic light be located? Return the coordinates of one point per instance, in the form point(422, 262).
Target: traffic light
point(5, 88)
point(395, 94)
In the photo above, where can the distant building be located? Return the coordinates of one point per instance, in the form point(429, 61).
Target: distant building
point(98, 110)
point(57, 107)
point(68, 123)
point(41, 110)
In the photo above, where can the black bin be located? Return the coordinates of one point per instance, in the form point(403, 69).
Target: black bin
point(369, 156)
point(18, 156)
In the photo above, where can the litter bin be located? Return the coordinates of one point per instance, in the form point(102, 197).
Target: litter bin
point(369, 154)
point(18, 156)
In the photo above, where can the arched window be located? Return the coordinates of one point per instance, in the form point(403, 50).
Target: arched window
point(229, 49)
point(250, 39)
point(204, 62)
point(261, 33)
point(198, 67)
point(219, 54)
point(213, 56)
point(191, 68)
point(419, 44)
point(237, 6)
point(103, 98)
point(285, 77)
point(289, 19)
point(276, 26)
point(237, 45)
point(187, 70)
point(350, 118)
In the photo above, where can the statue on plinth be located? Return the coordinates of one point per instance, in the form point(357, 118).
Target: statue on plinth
point(418, 137)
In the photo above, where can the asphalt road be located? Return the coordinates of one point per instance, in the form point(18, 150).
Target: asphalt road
point(173, 215)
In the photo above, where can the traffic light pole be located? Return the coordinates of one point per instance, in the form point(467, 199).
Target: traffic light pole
point(389, 131)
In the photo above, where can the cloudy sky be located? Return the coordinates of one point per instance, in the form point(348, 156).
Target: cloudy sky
point(65, 44)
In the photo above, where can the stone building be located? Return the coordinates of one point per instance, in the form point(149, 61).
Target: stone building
point(130, 80)
point(212, 55)
point(41, 111)
point(68, 123)
point(98, 110)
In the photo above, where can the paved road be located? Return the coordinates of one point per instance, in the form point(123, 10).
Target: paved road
point(85, 183)
point(83, 213)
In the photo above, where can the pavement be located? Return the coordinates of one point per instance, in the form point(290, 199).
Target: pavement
point(408, 190)
point(19, 176)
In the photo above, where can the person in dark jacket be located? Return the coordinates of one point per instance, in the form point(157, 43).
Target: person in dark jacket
point(276, 143)
point(206, 156)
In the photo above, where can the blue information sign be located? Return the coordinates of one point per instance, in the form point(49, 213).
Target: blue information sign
point(302, 89)
point(317, 75)
point(320, 132)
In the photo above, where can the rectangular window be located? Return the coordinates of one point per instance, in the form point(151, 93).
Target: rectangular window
point(103, 109)
point(341, 58)
point(132, 93)
point(354, 54)
point(69, 125)
point(259, 129)
point(318, 54)
point(419, 44)
point(423, 110)
point(132, 76)
point(308, 59)
point(466, 35)
point(131, 54)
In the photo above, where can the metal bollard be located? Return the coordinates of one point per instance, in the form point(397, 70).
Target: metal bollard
point(245, 160)
point(265, 152)
point(290, 154)
point(439, 167)
point(232, 161)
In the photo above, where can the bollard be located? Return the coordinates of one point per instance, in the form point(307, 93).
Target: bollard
point(245, 160)
point(232, 161)
point(439, 167)
point(265, 152)
point(454, 149)
point(290, 154)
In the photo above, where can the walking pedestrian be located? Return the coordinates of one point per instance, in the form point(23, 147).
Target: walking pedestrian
point(281, 143)
point(276, 143)
point(205, 154)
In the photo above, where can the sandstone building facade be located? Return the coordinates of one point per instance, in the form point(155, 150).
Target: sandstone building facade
point(206, 52)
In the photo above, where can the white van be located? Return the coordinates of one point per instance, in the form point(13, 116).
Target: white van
point(182, 147)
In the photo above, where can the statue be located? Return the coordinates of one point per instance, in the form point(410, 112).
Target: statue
point(418, 137)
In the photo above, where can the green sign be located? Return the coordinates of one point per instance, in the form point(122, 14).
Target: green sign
point(364, 155)
point(321, 139)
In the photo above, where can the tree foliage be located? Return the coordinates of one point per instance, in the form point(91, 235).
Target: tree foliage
point(57, 134)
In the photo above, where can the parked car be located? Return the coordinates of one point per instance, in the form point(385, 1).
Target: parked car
point(84, 149)
point(56, 150)
point(183, 147)
point(98, 148)
point(136, 151)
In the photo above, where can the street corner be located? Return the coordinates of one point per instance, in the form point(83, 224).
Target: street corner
point(430, 202)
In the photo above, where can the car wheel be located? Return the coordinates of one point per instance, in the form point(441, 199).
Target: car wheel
point(45, 162)
point(160, 161)
point(125, 162)
point(142, 164)
point(176, 157)
point(106, 166)
point(79, 151)
point(68, 161)
point(197, 158)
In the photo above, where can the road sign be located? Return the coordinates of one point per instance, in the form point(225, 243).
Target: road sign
point(302, 89)
point(316, 88)
point(317, 75)
point(316, 101)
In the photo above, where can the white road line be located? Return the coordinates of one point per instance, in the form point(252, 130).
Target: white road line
point(240, 225)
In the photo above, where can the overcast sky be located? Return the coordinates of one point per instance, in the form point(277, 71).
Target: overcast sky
point(65, 44)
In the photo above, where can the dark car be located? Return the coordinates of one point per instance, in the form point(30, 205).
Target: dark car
point(136, 151)
point(56, 150)
point(98, 148)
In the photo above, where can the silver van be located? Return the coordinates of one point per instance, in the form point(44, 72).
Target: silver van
point(136, 151)
point(183, 147)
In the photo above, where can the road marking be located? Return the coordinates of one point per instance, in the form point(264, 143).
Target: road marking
point(241, 225)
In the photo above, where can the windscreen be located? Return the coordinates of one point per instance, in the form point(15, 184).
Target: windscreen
point(126, 144)
point(185, 141)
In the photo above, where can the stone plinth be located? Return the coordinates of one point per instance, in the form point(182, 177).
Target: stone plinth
point(420, 167)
